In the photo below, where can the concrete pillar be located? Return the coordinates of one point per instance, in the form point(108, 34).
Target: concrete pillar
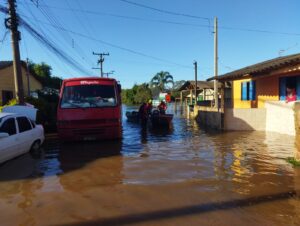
point(222, 97)
point(297, 129)
point(191, 94)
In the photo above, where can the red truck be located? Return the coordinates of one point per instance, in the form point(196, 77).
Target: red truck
point(89, 108)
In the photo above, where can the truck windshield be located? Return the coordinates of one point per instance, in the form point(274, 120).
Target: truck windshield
point(88, 96)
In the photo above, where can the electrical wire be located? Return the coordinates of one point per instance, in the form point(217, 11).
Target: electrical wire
point(175, 23)
point(165, 11)
point(126, 17)
point(67, 37)
point(117, 46)
point(51, 46)
point(58, 64)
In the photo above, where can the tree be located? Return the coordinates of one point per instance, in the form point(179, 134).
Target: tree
point(143, 94)
point(43, 74)
point(43, 70)
point(137, 94)
point(162, 80)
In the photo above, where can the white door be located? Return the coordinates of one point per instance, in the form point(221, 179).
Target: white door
point(9, 146)
point(26, 134)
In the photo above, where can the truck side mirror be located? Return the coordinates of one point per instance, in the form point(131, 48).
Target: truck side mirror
point(119, 88)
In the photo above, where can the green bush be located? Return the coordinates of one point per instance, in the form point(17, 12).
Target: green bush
point(10, 103)
point(46, 114)
point(293, 161)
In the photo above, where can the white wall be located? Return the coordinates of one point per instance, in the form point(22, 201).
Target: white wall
point(245, 119)
point(281, 117)
point(277, 116)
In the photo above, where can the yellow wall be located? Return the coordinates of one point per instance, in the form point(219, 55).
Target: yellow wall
point(7, 81)
point(237, 95)
point(267, 89)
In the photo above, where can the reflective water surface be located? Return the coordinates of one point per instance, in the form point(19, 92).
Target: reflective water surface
point(177, 176)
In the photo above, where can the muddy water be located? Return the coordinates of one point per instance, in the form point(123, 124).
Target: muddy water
point(181, 176)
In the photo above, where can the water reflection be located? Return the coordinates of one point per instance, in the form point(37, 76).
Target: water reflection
point(87, 165)
point(185, 165)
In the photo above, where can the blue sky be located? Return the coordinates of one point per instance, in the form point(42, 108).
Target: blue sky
point(142, 42)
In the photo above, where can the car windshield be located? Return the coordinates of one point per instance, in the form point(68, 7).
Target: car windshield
point(88, 96)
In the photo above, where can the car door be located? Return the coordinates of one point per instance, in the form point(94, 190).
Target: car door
point(9, 145)
point(26, 135)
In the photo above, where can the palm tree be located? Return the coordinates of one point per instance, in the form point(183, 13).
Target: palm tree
point(162, 80)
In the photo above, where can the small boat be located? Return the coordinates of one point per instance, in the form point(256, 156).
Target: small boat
point(158, 119)
point(132, 116)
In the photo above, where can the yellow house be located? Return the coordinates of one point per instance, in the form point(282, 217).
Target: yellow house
point(7, 87)
point(252, 86)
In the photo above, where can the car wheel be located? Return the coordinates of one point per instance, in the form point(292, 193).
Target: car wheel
point(35, 147)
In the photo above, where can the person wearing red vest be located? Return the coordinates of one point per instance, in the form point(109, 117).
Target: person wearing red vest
point(162, 107)
point(290, 94)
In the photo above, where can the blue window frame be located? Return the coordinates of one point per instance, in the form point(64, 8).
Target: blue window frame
point(248, 90)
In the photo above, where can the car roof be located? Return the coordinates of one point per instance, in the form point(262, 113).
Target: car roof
point(5, 114)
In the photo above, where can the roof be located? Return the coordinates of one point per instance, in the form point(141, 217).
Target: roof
point(5, 64)
point(261, 68)
point(200, 85)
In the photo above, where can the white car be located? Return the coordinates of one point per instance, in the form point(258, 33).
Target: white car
point(18, 135)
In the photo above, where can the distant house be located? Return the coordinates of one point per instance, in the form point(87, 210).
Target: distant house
point(7, 85)
point(205, 91)
point(258, 97)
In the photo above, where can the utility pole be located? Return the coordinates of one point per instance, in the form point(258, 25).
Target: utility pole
point(27, 73)
point(12, 24)
point(100, 61)
point(216, 96)
point(195, 65)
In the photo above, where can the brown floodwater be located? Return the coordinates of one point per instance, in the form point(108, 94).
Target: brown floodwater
point(181, 176)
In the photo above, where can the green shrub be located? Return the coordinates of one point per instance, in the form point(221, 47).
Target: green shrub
point(293, 161)
point(46, 114)
point(10, 103)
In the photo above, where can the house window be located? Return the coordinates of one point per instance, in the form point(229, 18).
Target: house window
point(248, 90)
point(6, 96)
point(291, 83)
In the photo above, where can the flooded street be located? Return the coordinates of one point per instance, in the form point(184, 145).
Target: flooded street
point(181, 176)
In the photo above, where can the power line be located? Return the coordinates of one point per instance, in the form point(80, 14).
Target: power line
point(175, 23)
point(117, 46)
point(259, 31)
point(52, 19)
point(165, 11)
point(65, 69)
point(123, 16)
point(77, 18)
point(52, 47)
